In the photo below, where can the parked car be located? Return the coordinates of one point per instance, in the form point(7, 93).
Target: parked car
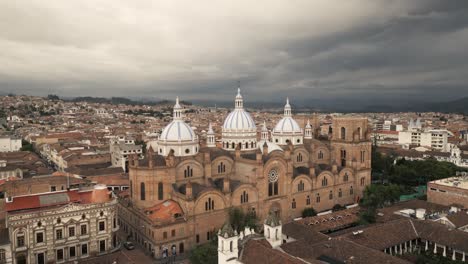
point(129, 245)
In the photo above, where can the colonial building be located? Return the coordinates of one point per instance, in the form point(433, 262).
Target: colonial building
point(59, 227)
point(120, 148)
point(180, 194)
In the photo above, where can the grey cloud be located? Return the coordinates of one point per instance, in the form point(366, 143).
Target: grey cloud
point(312, 50)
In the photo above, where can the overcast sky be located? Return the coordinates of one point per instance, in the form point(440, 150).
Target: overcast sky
point(320, 50)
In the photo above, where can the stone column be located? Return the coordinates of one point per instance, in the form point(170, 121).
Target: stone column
point(463, 258)
point(427, 245)
point(406, 247)
point(435, 248)
point(453, 255)
point(390, 250)
point(445, 251)
point(401, 249)
point(411, 245)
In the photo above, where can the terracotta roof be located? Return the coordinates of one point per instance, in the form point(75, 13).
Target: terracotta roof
point(261, 252)
point(332, 221)
point(459, 219)
point(382, 236)
point(440, 234)
point(50, 199)
point(164, 211)
point(339, 251)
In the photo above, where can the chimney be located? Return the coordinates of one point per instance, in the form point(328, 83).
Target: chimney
point(188, 190)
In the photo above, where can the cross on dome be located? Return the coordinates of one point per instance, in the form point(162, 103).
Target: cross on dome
point(239, 102)
point(287, 108)
point(177, 110)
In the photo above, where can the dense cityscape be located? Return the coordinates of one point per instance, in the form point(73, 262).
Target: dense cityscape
point(177, 182)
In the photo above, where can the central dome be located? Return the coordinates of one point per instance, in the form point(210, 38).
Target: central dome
point(239, 130)
point(287, 125)
point(177, 130)
point(239, 119)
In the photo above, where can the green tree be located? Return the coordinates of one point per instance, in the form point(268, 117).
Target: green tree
point(307, 212)
point(26, 146)
point(239, 220)
point(206, 253)
point(377, 196)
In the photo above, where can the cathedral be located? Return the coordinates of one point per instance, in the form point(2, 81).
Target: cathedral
point(181, 192)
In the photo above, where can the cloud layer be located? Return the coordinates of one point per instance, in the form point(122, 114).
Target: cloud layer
point(311, 49)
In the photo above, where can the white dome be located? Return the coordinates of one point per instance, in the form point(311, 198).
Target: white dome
point(177, 130)
point(287, 125)
point(239, 120)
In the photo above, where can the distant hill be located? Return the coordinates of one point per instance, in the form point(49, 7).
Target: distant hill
point(121, 100)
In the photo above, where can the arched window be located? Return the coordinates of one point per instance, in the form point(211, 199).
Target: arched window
point(343, 158)
point(300, 186)
point(209, 204)
point(359, 132)
point(293, 205)
point(230, 246)
point(142, 191)
point(320, 155)
point(308, 200)
point(233, 145)
point(340, 194)
point(160, 191)
point(363, 156)
point(244, 197)
point(273, 182)
point(345, 177)
point(351, 191)
point(330, 130)
point(299, 157)
point(330, 195)
point(221, 167)
point(246, 145)
point(324, 181)
point(188, 172)
point(362, 181)
point(252, 145)
point(343, 133)
point(317, 198)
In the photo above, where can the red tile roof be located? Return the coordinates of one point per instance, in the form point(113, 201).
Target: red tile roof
point(97, 195)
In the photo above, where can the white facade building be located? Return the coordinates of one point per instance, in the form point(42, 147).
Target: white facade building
point(120, 148)
point(8, 144)
point(436, 139)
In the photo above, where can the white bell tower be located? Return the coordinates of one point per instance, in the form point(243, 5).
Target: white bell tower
point(273, 230)
point(210, 137)
point(227, 244)
point(264, 132)
point(308, 131)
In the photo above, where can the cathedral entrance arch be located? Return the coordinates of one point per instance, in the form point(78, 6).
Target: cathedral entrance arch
point(275, 209)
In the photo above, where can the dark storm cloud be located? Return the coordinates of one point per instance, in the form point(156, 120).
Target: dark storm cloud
point(313, 50)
